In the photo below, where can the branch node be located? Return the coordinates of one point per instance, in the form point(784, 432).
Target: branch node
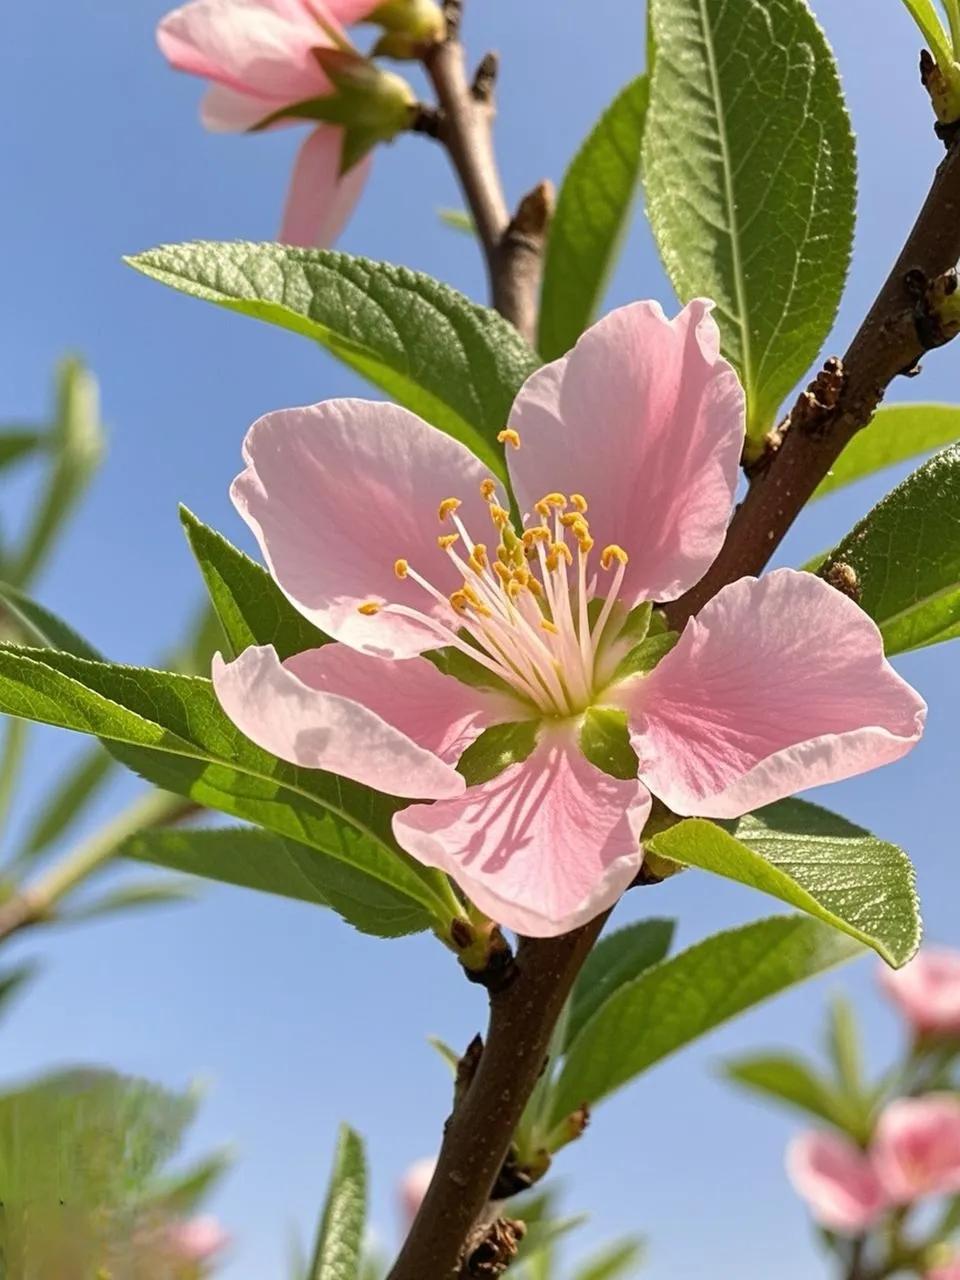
point(491, 1249)
point(816, 408)
point(485, 78)
point(530, 222)
point(453, 16)
point(427, 120)
point(467, 1069)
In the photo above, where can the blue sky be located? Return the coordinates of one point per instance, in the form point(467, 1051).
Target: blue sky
point(294, 1021)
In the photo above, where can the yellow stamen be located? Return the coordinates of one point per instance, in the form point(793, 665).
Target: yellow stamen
point(509, 436)
point(499, 516)
point(534, 587)
point(560, 551)
point(548, 501)
point(514, 588)
point(552, 627)
point(446, 540)
point(536, 533)
point(447, 507)
point(401, 568)
point(471, 595)
point(611, 553)
point(501, 570)
point(579, 501)
point(488, 488)
point(478, 557)
point(369, 609)
point(459, 601)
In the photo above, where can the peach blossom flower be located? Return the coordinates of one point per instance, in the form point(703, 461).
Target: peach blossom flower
point(624, 459)
point(413, 1187)
point(916, 1147)
point(838, 1182)
point(927, 990)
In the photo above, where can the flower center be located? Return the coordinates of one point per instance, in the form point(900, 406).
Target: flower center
point(529, 610)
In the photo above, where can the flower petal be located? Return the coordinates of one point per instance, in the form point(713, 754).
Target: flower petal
point(321, 199)
point(927, 990)
point(335, 493)
point(916, 1147)
point(262, 49)
point(646, 420)
point(779, 684)
point(280, 712)
point(225, 110)
point(837, 1181)
point(433, 710)
point(345, 11)
point(542, 848)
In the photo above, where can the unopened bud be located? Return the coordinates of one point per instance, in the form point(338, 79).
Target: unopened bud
point(410, 27)
point(373, 105)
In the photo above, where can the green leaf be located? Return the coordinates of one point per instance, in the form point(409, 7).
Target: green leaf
point(76, 446)
point(183, 1193)
point(258, 860)
point(591, 216)
point(456, 364)
point(496, 749)
point(843, 1043)
point(654, 1015)
point(159, 893)
point(337, 1253)
point(605, 741)
point(17, 443)
point(813, 860)
point(789, 1080)
point(170, 729)
point(612, 1262)
point(458, 220)
point(42, 628)
point(12, 982)
point(251, 607)
point(927, 19)
point(750, 174)
point(897, 433)
point(645, 656)
point(906, 555)
point(62, 806)
point(617, 958)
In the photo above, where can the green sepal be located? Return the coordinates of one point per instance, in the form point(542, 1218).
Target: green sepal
point(644, 656)
point(496, 749)
point(455, 663)
point(605, 741)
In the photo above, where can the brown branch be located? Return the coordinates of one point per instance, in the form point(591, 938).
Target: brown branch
point(512, 247)
point(899, 327)
point(478, 1133)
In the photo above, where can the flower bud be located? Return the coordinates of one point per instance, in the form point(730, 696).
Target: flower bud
point(410, 27)
point(413, 1187)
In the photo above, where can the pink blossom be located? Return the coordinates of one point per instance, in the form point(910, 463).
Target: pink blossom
point(413, 1187)
point(927, 990)
point(196, 1239)
point(624, 457)
point(916, 1147)
point(945, 1271)
point(260, 57)
point(838, 1182)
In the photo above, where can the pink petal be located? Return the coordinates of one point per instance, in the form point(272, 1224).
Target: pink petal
point(321, 199)
point(336, 493)
point(433, 710)
point(837, 1181)
point(274, 707)
point(225, 110)
point(646, 420)
point(927, 990)
point(196, 1239)
point(779, 684)
point(413, 1188)
point(916, 1147)
point(346, 11)
point(542, 848)
point(262, 49)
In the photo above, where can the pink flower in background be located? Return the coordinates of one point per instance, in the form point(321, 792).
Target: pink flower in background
point(946, 1271)
point(413, 1187)
point(263, 57)
point(624, 458)
point(927, 990)
point(838, 1182)
point(196, 1239)
point(916, 1147)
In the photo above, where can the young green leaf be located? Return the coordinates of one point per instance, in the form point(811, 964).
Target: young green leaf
point(617, 958)
point(616, 1260)
point(337, 1252)
point(17, 443)
point(456, 364)
point(591, 216)
point(61, 807)
point(906, 555)
point(813, 860)
point(897, 433)
point(40, 627)
point(843, 1042)
point(254, 859)
point(750, 176)
point(251, 607)
point(651, 1017)
point(790, 1080)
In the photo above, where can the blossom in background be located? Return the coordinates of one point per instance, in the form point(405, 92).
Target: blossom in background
point(916, 1147)
point(945, 1271)
point(927, 991)
point(838, 1182)
point(396, 540)
point(274, 62)
point(196, 1240)
point(413, 1187)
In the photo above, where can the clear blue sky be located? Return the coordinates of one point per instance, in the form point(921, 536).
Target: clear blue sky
point(295, 1021)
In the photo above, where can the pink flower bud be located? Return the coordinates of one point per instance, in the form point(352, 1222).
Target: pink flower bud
point(837, 1181)
point(413, 1187)
point(927, 990)
point(196, 1239)
point(916, 1148)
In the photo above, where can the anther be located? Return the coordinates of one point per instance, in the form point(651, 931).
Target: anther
point(459, 601)
point(536, 533)
point(478, 557)
point(488, 488)
point(369, 608)
point(509, 436)
point(499, 516)
point(579, 501)
point(611, 553)
point(447, 507)
point(446, 540)
point(560, 551)
point(401, 568)
point(552, 627)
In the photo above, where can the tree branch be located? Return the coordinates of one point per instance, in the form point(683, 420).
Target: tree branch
point(899, 327)
point(478, 1134)
point(512, 247)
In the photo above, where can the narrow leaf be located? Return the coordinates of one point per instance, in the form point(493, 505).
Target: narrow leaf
point(591, 216)
point(648, 1019)
point(789, 1080)
point(65, 804)
point(39, 627)
point(17, 443)
point(337, 1253)
point(456, 364)
point(617, 958)
point(897, 433)
point(750, 175)
point(612, 1262)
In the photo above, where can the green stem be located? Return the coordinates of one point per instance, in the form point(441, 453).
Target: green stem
point(953, 13)
point(11, 762)
point(37, 902)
